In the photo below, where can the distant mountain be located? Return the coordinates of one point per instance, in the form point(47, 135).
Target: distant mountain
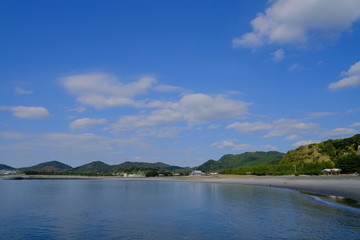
point(239, 160)
point(94, 167)
point(52, 166)
point(99, 167)
point(6, 167)
point(145, 165)
point(326, 151)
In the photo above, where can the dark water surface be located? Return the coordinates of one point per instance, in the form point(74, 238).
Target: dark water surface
point(94, 209)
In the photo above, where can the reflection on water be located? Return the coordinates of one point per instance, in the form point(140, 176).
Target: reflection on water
point(56, 209)
point(335, 199)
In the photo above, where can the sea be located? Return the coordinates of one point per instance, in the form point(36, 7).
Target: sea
point(115, 209)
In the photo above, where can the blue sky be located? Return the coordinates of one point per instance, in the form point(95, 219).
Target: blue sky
point(179, 82)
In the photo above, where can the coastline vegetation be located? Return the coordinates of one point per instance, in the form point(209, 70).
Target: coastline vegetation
point(279, 169)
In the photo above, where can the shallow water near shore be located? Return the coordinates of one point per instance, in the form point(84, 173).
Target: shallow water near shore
point(336, 201)
point(90, 209)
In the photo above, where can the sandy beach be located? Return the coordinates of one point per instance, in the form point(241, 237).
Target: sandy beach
point(341, 186)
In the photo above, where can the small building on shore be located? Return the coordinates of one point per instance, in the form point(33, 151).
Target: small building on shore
point(197, 173)
point(332, 171)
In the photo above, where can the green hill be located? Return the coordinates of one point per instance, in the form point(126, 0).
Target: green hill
point(94, 167)
point(52, 166)
point(238, 160)
point(144, 166)
point(6, 167)
point(98, 167)
point(327, 151)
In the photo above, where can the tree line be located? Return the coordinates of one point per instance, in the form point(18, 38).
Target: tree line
point(349, 163)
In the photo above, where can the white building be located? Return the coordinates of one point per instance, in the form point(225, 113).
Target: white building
point(197, 173)
point(335, 171)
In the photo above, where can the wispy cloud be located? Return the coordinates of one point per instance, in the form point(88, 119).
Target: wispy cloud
point(321, 114)
point(355, 124)
point(12, 135)
point(305, 142)
point(76, 109)
point(248, 127)
point(292, 137)
point(22, 91)
point(297, 67)
point(28, 112)
point(85, 123)
point(283, 127)
point(168, 88)
point(278, 55)
point(352, 79)
point(231, 144)
point(339, 133)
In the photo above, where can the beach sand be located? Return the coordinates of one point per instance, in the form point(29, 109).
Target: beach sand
point(341, 186)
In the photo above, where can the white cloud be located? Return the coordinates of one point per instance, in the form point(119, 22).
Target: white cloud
point(248, 127)
point(101, 90)
point(12, 135)
point(248, 40)
point(230, 144)
point(168, 88)
point(355, 124)
point(292, 137)
point(283, 127)
point(300, 22)
point(22, 91)
point(352, 79)
point(305, 142)
point(269, 147)
point(85, 123)
point(29, 112)
point(101, 101)
point(296, 67)
point(77, 109)
point(354, 110)
point(278, 55)
point(191, 109)
point(340, 133)
point(321, 114)
point(160, 132)
point(213, 126)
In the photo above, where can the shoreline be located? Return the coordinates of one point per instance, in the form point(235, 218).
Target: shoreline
point(341, 186)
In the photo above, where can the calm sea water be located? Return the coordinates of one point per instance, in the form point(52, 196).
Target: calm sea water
point(91, 209)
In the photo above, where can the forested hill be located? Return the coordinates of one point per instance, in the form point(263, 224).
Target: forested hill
point(327, 151)
point(96, 167)
point(159, 165)
point(6, 167)
point(239, 160)
point(101, 167)
point(52, 166)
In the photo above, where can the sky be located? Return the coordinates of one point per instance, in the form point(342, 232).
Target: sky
point(179, 82)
